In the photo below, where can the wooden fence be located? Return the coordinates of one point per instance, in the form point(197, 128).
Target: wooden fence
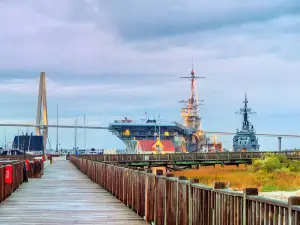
point(17, 179)
point(166, 200)
point(35, 171)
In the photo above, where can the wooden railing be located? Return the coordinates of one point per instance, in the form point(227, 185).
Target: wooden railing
point(35, 171)
point(186, 157)
point(18, 157)
point(166, 200)
point(17, 178)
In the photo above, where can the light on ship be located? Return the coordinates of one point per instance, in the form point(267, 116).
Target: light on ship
point(126, 133)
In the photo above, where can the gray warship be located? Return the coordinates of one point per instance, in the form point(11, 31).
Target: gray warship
point(245, 140)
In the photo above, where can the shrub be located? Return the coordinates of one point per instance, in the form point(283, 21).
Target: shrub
point(283, 170)
point(257, 164)
point(294, 166)
point(282, 158)
point(271, 164)
point(267, 155)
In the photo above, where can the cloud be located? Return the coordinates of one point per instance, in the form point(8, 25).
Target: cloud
point(105, 61)
point(147, 20)
point(81, 42)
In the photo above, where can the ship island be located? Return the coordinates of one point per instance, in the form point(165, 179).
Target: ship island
point(159, 136)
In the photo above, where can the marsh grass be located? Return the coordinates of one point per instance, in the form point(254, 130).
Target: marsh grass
point(241, 177)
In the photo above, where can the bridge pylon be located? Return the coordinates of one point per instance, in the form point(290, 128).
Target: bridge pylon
point(42, 111)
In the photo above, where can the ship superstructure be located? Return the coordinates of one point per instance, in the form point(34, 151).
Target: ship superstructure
point(191, 116)
point(191, 113)
point(245, 139)
point(188, 137)
point(130, 132)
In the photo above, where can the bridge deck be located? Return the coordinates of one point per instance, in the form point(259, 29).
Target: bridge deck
point(64, 196)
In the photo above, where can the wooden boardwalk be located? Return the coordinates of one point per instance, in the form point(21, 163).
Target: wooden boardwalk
point(65, 196)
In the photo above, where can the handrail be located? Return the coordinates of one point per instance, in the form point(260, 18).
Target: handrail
point(195, 158)
point(169, 200)
point(17, 179)
point(35, 171)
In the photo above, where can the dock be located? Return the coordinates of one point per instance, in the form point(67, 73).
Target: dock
point(66, 196)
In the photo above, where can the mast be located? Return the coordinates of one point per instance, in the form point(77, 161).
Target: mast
point(29, 142)
point(84, 134)
point(5, 145)
point(75, 144)
point(18, 139)
point(245, 113)
point(190, 112)
point(57, 129)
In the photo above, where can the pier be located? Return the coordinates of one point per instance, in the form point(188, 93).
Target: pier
point(84, 191)
point(64, 195)
point(166, 200)
point(186, 159)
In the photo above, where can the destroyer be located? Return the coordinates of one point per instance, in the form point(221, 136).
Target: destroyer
point(245, 140)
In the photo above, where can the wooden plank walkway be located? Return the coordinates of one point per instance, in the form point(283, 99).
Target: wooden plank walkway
point(65, 196)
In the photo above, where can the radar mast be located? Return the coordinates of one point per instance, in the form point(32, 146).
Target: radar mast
point(191, 113)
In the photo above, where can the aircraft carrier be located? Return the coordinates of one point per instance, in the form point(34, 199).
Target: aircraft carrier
point(186, 138)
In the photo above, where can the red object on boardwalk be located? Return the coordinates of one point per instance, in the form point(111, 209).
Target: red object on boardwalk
point(8, 174)
point(27, 164)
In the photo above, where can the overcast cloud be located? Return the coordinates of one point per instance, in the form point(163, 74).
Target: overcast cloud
point(108, 59)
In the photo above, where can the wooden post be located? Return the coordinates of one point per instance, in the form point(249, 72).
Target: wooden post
point(169, 175)
point(216, 211)
point(133, 184)
point(177, 198)
point(293, 201)
point(158, 173)
point(148, 171)
point(246, 192)
point(219, 185)
point(192, 181)
point(112, 169)
point(165, 197)
point(124, 191)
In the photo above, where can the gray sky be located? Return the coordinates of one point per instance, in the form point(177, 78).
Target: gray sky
point(110, 59)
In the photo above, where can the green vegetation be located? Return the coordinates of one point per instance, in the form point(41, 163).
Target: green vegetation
point(269, 173)
point(270, 163)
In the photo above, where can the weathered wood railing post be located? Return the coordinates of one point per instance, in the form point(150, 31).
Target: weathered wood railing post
point(125, 171)
point(190, 216)
point(293, 201)
point(158, 174)
point(246, 192)
point(165, 197)
point(177, 198)
point(148, 171)
point(133, 183)
point(217, 203)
